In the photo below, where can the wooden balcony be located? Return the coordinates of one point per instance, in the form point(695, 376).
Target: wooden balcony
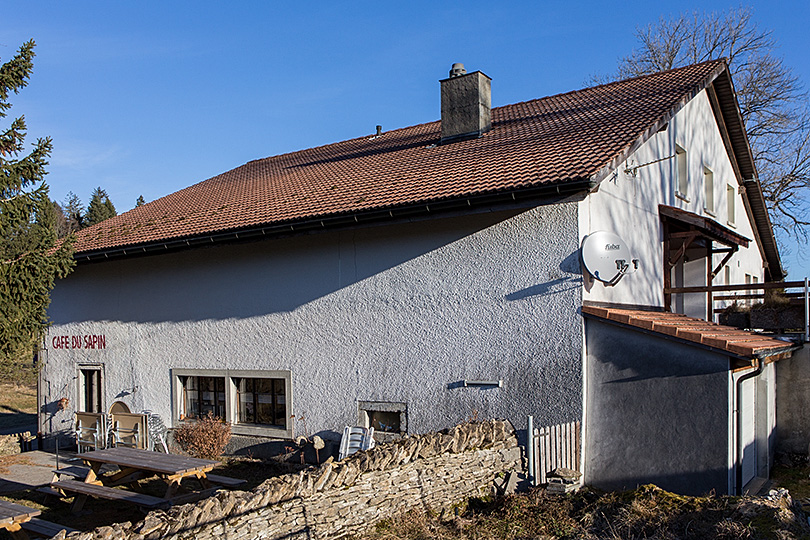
point(773, 306)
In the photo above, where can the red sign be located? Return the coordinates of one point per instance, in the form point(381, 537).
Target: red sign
point(80, 342)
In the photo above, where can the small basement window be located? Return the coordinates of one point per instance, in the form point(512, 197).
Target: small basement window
point(389, 419)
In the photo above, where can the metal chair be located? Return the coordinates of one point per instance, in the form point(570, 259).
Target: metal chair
point(355, 439)
point(91, 431)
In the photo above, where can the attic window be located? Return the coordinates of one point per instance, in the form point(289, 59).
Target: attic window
point(731, 203)
point(708, 189)
point(682, 186)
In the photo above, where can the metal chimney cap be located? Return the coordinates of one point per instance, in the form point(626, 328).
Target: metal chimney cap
point(457, 70)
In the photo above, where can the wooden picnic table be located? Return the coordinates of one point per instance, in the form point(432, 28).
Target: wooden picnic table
point(12, 516)
point(135, 464)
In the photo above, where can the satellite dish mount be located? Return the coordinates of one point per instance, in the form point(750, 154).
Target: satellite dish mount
point(606, 257)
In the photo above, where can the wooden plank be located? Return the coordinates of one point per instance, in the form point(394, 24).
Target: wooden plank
point(147, 460)
point(75, 471)
point(10, 512)
point(225, 480)
point(742, 287)
point(112, 494)
point(45, 528)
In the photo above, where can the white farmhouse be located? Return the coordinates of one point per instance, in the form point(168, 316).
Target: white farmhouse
point(415, 278)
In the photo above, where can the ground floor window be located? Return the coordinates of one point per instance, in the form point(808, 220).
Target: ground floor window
point(203, 395)
point(261, 401)
point(389, 419)
point(90, 389)
point(253, 401)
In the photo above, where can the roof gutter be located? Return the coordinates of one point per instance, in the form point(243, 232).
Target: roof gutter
point(341, 220)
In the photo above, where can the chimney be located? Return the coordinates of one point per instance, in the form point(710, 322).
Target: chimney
point(466, 104)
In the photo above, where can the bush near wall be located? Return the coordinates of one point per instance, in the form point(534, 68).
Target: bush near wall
point(435, 470)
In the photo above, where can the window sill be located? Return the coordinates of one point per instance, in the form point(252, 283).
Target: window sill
point(249, 430)
point(710, 212)
point(682, 196)
point(261, 431)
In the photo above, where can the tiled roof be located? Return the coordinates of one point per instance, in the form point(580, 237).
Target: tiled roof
point(555, 140)
point(723, 338)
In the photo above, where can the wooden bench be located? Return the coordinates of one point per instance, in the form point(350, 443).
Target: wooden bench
point(102, 492)
point(225, 480)
point(74, 470)
point(45, 529)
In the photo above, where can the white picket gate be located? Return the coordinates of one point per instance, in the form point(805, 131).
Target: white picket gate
point(553, 447)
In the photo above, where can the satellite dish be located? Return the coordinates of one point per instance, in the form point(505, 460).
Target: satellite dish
point(606, 256)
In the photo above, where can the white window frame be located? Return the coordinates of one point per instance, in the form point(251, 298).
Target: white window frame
point(231, 405)
point(80, 386)
point(731, 205)
point(681, 173)
point(708, 191)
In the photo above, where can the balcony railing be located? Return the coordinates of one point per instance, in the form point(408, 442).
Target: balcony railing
point(797, 293)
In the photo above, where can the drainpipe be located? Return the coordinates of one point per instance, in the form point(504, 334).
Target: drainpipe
point(738, 466)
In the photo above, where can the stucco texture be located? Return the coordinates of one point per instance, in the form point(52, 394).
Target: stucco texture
point(395, 313)
point(657, 412)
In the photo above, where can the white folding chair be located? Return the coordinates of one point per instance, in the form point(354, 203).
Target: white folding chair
point(355, 439)
point(91, 431)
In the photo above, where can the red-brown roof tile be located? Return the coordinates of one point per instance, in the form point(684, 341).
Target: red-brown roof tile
point(554, 140)
point(723, 338)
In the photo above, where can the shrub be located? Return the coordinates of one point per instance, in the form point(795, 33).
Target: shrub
point(204, 437)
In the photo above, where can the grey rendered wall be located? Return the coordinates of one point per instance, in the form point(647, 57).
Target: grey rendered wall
point(657, 412)
point(793, 403)
point(399, 313)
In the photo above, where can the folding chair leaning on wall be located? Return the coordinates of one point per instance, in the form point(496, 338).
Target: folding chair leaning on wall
point(91, 431)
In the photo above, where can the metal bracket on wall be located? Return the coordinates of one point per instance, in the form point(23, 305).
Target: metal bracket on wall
point(498, 383)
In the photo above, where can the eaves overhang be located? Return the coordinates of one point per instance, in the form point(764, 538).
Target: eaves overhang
point(742, 346)
point(531, 196)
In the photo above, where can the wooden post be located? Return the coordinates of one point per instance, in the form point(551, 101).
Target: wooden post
point(666, 268)
point(709, 281)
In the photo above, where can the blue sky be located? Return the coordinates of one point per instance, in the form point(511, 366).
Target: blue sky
point(145, 98)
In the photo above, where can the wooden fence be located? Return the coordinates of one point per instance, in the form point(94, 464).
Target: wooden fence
point(556, 446)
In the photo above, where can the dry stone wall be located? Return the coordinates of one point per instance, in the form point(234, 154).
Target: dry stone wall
point(435, 470)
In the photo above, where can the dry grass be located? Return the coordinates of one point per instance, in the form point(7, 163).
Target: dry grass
point(647, 512)
point(18, 405)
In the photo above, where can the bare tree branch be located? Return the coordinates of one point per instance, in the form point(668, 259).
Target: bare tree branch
point(773, 103)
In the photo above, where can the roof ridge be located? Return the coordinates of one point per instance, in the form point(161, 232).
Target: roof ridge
point(531, 147)
point(517, 103)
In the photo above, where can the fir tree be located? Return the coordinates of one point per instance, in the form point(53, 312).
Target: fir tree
point(99, 209)
point(74, 211)
point(31, 258)
point(140, 201)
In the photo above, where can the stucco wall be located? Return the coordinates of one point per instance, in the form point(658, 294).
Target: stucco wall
point(628, 205)
point(793, 402)
point(657, 410)
point(399, 313)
